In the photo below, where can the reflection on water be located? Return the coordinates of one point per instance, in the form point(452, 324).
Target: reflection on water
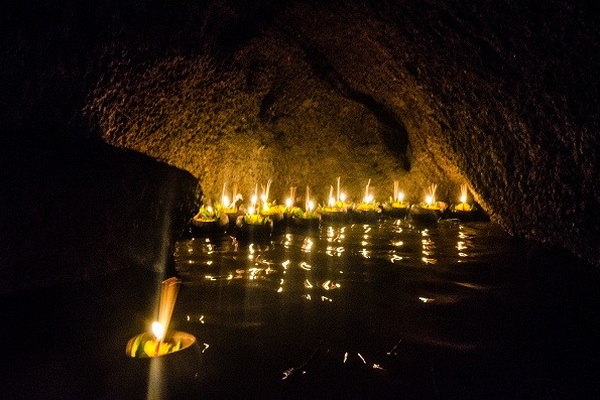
point(401, 308)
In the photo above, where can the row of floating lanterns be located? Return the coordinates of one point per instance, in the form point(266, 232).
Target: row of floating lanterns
point(260, 214)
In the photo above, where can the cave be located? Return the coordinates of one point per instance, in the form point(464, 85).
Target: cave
point(120, 119)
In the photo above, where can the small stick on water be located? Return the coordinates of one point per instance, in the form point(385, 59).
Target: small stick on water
point(393, 350)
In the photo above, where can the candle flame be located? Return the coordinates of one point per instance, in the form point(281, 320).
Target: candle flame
point(288, 203)
point(342, 197)
point(310, 206)
point(400, 196)
point(158, 330)
point(225, 201)
point(430, 198)
point(251, 210)
point(463, 193)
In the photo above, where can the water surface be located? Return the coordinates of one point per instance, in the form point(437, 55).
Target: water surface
point(386, 310)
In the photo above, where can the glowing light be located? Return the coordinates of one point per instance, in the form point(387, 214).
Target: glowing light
point(288, 203)
point(225, 201)
point(362, 358)
point(343, 197)
point(305, 266)
point(368, 197)
point(251, 210)
point(345, 357)
point(430, 197)
point(331, 202)
point(280, 289)
point(307, 284)
point(463, 193)
point(158, 330)
point(426, 299)
point(400, 197)
point(285, 264)
point(310, 206)
point(307, 245)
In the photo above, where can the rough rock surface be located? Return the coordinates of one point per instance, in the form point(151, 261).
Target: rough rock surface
point(79, 212)
point(501, 95)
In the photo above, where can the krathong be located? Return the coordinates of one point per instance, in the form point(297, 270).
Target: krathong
point(463, 205)
point(161, 341)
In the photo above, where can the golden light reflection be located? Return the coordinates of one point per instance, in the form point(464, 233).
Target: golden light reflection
point(305, 266)
point(329, 285)
point(394, 258)
point(307, 284)
point(334, 251)
point(307, 245)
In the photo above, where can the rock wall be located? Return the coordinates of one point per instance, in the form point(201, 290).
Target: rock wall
point(500, 95)
point(74, 212)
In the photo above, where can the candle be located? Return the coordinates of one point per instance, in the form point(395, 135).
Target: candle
point(463, 205)
point(430, 200)
point(368, 197)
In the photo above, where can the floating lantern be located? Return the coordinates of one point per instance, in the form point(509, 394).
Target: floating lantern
point(396, 207)
point(307, 219)
point(465, 211)
point(336, 209)
point(209, 221)
point(254, 225)
point(429, 211)
point(161, 341)
point(463, 205)
point(368, 210)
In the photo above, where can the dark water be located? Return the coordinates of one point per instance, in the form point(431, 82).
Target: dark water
point(389, 310)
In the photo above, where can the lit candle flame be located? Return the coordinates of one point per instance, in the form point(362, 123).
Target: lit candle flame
point(368, 197)
point(158, 330)
point(288, 203)
point(251, 210)
point(400, 196)
point(463, 193)
point(430, 198)
point(342, 197)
